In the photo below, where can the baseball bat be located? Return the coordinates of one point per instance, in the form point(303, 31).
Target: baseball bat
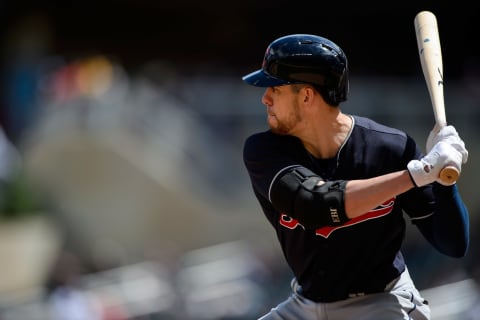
point(429, 49)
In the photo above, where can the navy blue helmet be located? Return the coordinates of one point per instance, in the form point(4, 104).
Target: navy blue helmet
point(304, 58)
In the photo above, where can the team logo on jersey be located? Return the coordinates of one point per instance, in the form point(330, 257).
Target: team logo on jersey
point(380, 211)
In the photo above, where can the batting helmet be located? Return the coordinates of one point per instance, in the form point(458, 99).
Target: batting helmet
point(304, 58)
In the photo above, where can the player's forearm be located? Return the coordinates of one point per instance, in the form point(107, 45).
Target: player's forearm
point(363, 195)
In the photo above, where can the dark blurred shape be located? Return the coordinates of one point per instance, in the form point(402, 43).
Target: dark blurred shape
point(26, 43)
point(378, 38)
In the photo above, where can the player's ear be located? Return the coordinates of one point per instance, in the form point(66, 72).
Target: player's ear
point(307, 94)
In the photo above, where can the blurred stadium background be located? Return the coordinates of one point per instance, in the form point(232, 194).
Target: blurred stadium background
point(123, 193)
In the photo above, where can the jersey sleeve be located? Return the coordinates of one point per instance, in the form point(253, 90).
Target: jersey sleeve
point(447, 229)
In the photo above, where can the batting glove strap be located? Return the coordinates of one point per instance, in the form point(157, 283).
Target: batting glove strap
point(420, 172)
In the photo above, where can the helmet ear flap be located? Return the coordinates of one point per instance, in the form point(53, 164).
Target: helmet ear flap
point(339, 94)
point(333, 97)
point(329, 95)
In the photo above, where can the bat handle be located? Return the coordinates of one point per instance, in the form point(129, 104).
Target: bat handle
point(449, 174)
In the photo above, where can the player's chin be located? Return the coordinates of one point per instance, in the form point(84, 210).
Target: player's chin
point(278, 130)
point(272, 121)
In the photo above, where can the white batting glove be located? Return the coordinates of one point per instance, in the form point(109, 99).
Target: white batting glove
point(427, 169)
point(447, 134)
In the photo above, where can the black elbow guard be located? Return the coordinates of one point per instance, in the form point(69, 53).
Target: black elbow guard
point(301, 194)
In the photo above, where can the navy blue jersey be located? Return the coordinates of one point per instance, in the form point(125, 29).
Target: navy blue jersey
point(362, 255)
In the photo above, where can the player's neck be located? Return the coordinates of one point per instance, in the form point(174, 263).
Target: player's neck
point(325, 137)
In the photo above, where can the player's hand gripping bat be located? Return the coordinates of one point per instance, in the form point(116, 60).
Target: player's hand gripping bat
point(429, 49)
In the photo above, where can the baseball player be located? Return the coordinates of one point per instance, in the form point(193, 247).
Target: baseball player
point(334, 186)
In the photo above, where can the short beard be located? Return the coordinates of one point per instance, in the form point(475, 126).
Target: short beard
point(285, 127)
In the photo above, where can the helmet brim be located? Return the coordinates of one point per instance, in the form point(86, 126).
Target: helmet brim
point(260, 78)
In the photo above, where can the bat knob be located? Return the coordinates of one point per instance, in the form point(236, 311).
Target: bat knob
point(449, 174)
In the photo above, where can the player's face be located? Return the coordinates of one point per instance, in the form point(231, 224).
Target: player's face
point(283, 111)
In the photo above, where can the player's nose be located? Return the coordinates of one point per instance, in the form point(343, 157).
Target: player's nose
point(266, 98)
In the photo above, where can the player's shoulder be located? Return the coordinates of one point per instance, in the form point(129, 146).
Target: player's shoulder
point(378, 136)
point(383, 141)
point(375, 127)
